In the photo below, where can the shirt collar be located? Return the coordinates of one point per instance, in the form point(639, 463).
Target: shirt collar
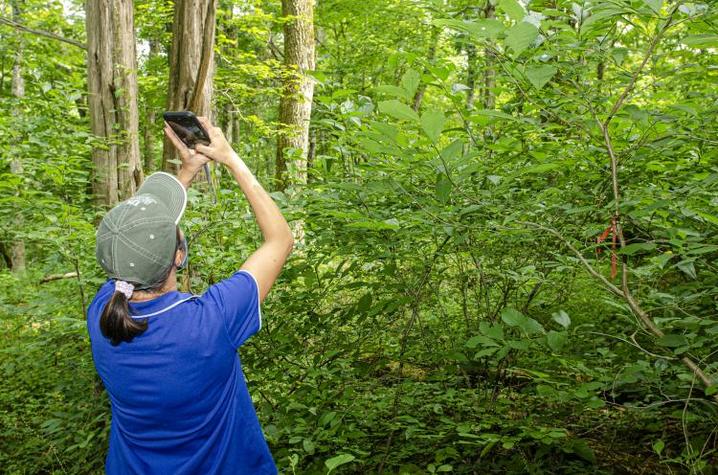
point(157, 303)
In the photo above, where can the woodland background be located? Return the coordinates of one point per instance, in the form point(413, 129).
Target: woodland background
point(508, 209)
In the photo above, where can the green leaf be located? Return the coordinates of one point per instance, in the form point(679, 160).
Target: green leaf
point(540, 75)
point(606, 11)
point(443, 187)
point(514, 318)
point(701, 41)
point(393, 91)
point(494, 331)
point(687, 267)
point(556, 340)
point(513, 9)
point(340, 459)
point(308, 446)
point(398, 110)
point(672, 340)
point(494, 113)
point(655, 5)
point(581, 448)
point(432, 123)
point(485, 28)
point(482, 340)
point(520, 37)
point(374, 225)
point(561, 318)
point(658, 446)
point(410, 82)
point(452, 150)
point(711, 390)
point(541, 168)
point(637, 247)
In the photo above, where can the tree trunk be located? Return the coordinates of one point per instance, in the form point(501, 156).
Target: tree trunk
point(229, 125)
point(112, 86)
point(17, 248)
point(489, 99)
point(149, 141)
point(470, 74)
point(191, 65)
point(295, 107)
point(150, 118)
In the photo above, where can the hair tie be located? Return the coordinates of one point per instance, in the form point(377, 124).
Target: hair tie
point(124, 287)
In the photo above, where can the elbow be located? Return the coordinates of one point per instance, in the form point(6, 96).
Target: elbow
point(289, 243)
point(287, 240)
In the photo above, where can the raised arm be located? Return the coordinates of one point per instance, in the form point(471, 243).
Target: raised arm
point(265, 263)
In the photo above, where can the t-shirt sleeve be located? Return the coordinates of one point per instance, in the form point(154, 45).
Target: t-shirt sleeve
point(237, 299)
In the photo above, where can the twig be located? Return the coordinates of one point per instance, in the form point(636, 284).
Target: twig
point(51, 277)
point(46, 34)
point(580, 257)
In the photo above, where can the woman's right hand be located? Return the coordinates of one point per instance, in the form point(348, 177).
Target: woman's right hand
point(219, 149)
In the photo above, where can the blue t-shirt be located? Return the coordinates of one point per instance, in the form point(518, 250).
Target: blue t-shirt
point(180, 403)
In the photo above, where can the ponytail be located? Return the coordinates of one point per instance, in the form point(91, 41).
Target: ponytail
point(116, 323)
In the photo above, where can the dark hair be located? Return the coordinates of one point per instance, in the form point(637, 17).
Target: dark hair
point(116, 322)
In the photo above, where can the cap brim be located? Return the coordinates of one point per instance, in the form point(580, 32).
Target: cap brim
point(169, 191)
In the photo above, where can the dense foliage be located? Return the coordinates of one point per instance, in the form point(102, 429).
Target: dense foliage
point(452, 306)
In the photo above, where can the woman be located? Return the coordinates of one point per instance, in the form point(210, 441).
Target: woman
point(168, 359)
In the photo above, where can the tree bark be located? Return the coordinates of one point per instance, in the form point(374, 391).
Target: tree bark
point(149, 141)
point(150, 118)
point(191, 65)
point(489, 99)
point(295, 107)
point(112, 87)
point(17, 248)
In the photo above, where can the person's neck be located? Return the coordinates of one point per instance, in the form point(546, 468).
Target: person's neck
point(144, 295)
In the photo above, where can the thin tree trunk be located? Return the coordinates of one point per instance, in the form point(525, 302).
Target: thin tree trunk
point(295, 107)
point(430, 57)
point(112, 86)
point(489, 99)
point(229, 125)
point(17, 248)
point(150, 118)
point(312, 152)
point(191, 65)
point(149, 141)
point(470, 74)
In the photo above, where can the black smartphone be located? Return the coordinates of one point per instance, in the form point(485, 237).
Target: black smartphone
point(187, 127)
point(189, 130)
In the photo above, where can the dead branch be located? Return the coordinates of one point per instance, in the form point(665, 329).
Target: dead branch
point(51, 277)
point(46, 34)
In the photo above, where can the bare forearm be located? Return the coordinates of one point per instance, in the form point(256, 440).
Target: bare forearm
point(271, 222)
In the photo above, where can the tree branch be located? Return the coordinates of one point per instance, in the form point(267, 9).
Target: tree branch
point(46, 34)
point(591, 270)
point(628, 297)
point(649, 52)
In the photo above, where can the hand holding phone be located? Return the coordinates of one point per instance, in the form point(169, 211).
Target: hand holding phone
point(218, 149)
point(191, 160)
point(186, 133)
point(187, 128)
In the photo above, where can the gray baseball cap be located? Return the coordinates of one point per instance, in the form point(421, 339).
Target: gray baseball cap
point(137, 239)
